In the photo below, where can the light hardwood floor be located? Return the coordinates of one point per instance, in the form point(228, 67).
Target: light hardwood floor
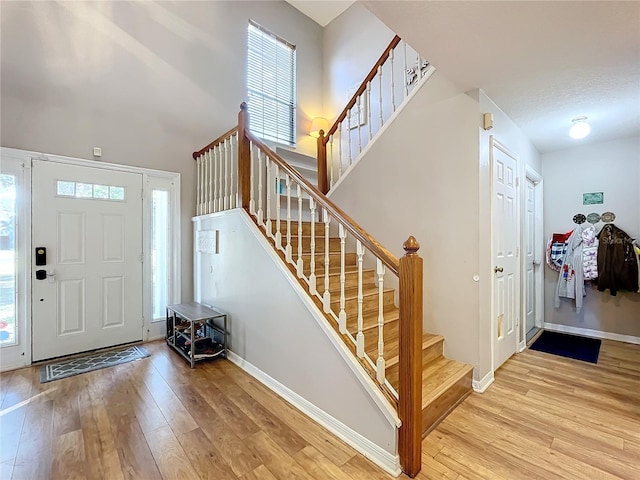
point(545, 417)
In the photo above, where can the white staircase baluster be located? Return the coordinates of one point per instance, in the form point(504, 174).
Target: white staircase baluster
point(331, 161)
point(268, 188)
point(404, 75)
point(260, 212)
point(340, 149)
point(211, 180)
point(287, 251)
point(360, 334)
point(393, 86)
point(312, 245)
point(252, 199)
point(342, 316)
point(359, 122)
point(205, 183)
point(418, 70)
point(368, 106)
point(221, 175)
point(226, 175)
point(198, 187)
point(214, 187)
point(326, 298)
point(231, 162)
point(299, 263)
point(380, 365)
point(380, 94)
point(349, 134)
point(278, 207)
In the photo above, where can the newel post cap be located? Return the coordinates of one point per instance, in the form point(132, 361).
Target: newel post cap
point(411, 246)
point(243, 106)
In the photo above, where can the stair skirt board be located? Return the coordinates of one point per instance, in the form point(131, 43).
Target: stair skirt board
point(386, 461)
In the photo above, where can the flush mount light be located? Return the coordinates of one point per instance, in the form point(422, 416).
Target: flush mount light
point(579, 128)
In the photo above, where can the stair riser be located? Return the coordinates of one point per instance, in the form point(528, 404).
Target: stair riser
point(350, 280)
point(306, 228)
point(334, 244)
point(334, 260)
point(437, 410)
point(369, 304)
point(389, 337)
point(429, 354)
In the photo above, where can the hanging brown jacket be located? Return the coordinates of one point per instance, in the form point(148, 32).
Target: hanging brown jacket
point(617, 263)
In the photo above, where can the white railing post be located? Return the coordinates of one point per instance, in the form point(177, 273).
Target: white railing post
point(287, 251)
point(340, 149)
point(231, 184)
point(268, 187)
point(252, 201)
point(360, 335)
point(349, 134)
point(380, 93)
point(211, 180)
point(326, 298)
point(404, 76)
point(278, 238)
point(342, 315)
point(260, 192)
point(393, 85)
point(312, 245)
point(380, 363)
point(331, 162)
point(299, 263)
point(198, 187)
point(367, 104)
point(359, 123)
point(226, 175)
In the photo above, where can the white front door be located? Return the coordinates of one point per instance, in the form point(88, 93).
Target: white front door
point(505, 253)
point(88, 293)
point(530, 266)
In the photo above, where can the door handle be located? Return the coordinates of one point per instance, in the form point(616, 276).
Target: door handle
point(498, 269)
point(51, 276)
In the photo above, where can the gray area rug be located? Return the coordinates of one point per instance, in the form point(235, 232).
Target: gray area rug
point(88, 363)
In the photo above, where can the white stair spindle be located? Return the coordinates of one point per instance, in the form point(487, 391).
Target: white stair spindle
point(221, 175)
point(380, 364)
point(340, 150)
point(299, 263)
point(349, 134)
point(268, 228)
point(360, 334)
point(359, 122)
point(215, 178)
point(226, 175)
point(199, 186)
point(205, 186)
point(393, 86)
point(418, 70)
point(312, 245)
point(404, 75)
point(287, 251)
point(342, 316)
point(380, 94)
point(260, 212)
point(326, 298)
point(234, 188)
point(211, 180)
point(331, 161)
point(278, 238)
point(252, 200)
point(367, 104)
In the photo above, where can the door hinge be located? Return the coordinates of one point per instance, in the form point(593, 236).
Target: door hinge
point(142, 258)
point(142, 194)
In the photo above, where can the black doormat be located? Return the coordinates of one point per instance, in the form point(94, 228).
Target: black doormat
point(570, 346)
point(88, 363)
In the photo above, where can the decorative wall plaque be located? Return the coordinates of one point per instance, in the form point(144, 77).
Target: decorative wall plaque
point(579, 218)
point(593, 198)
point(608, 217)
point(593, 218)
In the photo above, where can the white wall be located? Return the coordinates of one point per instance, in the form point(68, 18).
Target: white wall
point(613, 168)
point(149, 82)
point(272, 328)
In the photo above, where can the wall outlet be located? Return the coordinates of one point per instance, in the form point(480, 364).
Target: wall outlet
point(97, 151)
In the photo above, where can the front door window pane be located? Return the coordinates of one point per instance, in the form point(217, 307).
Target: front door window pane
point(160, 252)
point(8, 298)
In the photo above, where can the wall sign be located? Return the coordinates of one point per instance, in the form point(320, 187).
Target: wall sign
point(593, 198)
point(206, 241)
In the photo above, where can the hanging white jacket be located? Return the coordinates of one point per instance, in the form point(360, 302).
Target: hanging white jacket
point(571, 277)
point(590, 252)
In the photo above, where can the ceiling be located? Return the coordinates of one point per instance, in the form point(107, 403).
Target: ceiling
point(542, 63)
point(321, 11)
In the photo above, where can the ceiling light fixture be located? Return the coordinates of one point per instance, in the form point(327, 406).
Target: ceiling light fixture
point(579, 128)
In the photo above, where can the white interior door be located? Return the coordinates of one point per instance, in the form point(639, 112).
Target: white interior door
point(89, 220)
point(505, 250)
point(530, 260)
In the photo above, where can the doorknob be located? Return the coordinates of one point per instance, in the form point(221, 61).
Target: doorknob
point(51, 276)
point(498, 269)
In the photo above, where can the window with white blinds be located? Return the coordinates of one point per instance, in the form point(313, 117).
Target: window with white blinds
point(271, 86)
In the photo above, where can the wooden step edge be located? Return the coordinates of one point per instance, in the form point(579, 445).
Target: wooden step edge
point(460, 371)
point(428, 340)
point(351, 293)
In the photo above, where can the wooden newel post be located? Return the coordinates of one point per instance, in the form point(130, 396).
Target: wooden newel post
point(410, 359)
point(244, 158)
point(323, 184)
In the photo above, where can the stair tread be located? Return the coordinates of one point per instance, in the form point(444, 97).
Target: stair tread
point(352, 292)
point(428, 339)
point(439, 376)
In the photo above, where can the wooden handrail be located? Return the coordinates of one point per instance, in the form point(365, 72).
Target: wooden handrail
point(362, 87)
point(390, 260)
point(410, 359)
point(217, 141)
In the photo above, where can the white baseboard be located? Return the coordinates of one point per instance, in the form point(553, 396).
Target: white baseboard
point(385, 460)
point(481, 386)
point(586, 332)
